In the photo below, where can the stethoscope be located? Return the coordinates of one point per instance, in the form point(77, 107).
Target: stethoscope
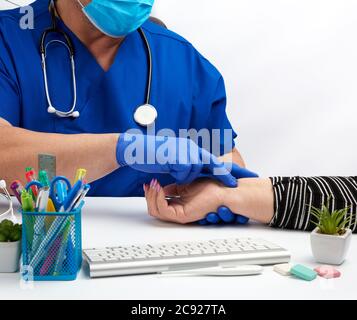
point(145, 115)
point(9, 213)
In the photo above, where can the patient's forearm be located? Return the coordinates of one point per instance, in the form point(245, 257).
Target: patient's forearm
point(286, 202)
point(254, 198)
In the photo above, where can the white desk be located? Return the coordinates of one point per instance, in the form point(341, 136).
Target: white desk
point(110, 222)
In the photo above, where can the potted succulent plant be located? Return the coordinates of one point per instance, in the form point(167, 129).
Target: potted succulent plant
point(331, 238)
point(10, 246)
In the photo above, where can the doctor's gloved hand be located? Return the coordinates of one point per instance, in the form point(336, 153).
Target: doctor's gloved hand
point(225, 215)
point(181, 158)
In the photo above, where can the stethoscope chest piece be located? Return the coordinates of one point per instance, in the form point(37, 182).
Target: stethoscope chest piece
point(145, 115)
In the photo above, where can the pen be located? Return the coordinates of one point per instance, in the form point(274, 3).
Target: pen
point(62, 250)
point(78, 202)
point(30, 176)
point(42, 199)
point(51, 256)
point(17, 189)
point(80, 174)
point(70, 263)
point(80, 205)
point(72, 196)
point(39, 227)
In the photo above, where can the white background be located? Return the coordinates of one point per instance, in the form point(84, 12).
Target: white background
point(290, 68)
point(11, 4)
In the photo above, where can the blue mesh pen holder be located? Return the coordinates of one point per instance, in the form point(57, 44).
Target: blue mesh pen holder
point(52, 245)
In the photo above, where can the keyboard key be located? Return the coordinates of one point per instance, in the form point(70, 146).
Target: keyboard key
point(111, 259)
point(96, 259)
point(125, 258)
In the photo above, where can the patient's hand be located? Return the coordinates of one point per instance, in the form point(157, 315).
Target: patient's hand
point(253, 196)
point(197, 199)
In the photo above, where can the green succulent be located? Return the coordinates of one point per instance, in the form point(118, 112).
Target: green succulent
point(331, 223)
point(10, 232)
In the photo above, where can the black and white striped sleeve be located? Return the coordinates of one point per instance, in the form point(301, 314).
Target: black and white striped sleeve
point(294, 197)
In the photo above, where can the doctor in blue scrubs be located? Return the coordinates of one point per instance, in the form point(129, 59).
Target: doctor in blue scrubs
point(112, 70)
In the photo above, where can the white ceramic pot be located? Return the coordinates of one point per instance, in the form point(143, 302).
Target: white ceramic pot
point(10, 253)
point(330, 249)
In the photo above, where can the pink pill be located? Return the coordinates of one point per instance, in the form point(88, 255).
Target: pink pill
point(327, 272)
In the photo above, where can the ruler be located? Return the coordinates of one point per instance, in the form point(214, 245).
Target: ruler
point(47, 162)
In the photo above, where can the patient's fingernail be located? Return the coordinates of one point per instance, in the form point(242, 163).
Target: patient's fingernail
point(152, 183)
point(158, 188)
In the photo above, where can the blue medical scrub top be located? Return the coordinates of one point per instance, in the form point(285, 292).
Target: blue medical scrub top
point(187, 90)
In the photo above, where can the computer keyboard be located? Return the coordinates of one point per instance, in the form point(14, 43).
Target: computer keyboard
point(163, 257)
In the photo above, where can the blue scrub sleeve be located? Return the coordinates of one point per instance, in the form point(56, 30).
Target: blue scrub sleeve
point(209, 109)
point(218, 120)
point(9, 93)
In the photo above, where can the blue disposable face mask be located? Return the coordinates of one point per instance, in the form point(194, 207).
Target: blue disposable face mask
point(117, 18)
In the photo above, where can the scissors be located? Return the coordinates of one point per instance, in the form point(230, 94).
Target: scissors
point(60, 187)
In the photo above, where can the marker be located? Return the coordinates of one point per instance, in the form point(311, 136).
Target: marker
point(49, 219)
point(50, 206)
point(17, 189)
point(43, 178)
point(80, 174)
point(30, 176)
point(27, 206)
point(27, 202)
point(61, 191)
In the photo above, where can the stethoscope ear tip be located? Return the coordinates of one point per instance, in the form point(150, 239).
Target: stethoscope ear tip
point(75, 114)
point(2, 184)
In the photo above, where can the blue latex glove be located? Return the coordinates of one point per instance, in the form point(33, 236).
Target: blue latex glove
point(224, 214)
point(181, 158)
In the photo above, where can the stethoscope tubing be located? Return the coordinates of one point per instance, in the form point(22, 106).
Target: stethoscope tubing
point(69, 45)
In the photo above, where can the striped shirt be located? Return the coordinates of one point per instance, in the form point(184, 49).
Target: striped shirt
point(295, 196)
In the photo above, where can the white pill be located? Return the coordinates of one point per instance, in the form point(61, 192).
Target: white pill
point(283, 269)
